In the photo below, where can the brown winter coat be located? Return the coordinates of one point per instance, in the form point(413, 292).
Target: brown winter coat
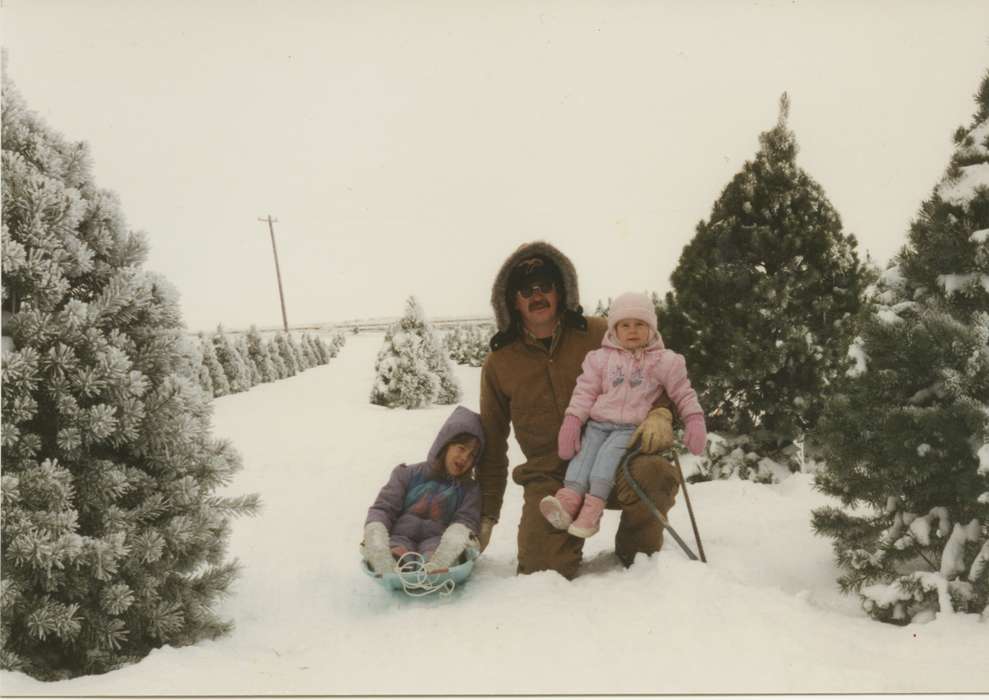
point(528, 387)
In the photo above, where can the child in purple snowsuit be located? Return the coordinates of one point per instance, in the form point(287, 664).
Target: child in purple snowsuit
point(433, 507)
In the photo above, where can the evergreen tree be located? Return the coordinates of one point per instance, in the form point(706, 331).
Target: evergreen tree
point(468, 344)
point(191, 352)
point(906, 431)
point(243, 351)
point(338, 341)
point(296, 351)
point(218, 378)
point(306, 349)
point(289, 363)
point(258, 352)
point(411, 369)
point(275, 358)
point(321, 349)
point(113, 540)
point(764, 297)
point(233, 367)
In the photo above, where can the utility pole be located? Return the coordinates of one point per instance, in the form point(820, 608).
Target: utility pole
point(278, 272)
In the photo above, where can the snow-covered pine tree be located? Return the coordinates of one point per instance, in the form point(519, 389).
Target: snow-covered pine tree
point(275, 356)
point(300, 360)
point(113, 538)
point(288, 358)
point(478, 346)
point(306, 348)
point(191, 351)
point(453, 342)
point(328, 347)
point(233, 366)
point(339, 340)
point(321, 349)
point(218, 378)
point(764, 296)
point(439, 364)
point(468, 344)
point(253, 372)
point(259, 355)
point(407, 371)
point(905, 435)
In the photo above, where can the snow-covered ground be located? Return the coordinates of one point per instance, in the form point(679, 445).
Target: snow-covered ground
point(764, 616)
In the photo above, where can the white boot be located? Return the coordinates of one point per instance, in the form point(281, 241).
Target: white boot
point(376, 550)
point(451, 546)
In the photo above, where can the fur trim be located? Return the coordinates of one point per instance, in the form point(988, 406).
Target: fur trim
point(499, 302)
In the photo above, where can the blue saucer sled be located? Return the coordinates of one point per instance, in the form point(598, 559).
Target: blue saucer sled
point(412, 578)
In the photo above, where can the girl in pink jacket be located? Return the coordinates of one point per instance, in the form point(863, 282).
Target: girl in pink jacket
point(618, 385)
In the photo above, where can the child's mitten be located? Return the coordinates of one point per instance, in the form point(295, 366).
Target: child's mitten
point(451, 546)
point(695, 433)
point(376, 549)
point(568, 441)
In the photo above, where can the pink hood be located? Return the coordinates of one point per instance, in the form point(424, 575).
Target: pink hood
point(619, 386)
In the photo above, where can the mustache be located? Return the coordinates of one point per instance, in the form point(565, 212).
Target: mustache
point(536, 305)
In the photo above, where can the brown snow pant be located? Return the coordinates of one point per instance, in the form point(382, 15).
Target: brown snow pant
point(542, 547)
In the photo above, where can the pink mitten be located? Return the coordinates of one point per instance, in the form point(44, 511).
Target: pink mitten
point(695, 434)
point(568, 441)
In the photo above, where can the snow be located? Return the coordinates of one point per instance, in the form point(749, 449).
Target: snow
point(962, 189)
point(887, 315)
point(981, 236)
point(957, 282)
point(764, 616)
point(984, 460)
point(856, 352)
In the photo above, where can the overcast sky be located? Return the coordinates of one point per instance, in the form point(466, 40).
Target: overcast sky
point(410, 147)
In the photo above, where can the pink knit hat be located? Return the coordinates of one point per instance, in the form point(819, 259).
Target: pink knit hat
point(632, 305)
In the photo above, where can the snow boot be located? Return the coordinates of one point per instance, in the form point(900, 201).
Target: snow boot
point(589, 519)
point(561, 508)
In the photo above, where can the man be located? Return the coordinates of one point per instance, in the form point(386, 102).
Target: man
point(526, 383)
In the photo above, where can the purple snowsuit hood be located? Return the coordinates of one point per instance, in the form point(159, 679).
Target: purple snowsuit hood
point(462, 420)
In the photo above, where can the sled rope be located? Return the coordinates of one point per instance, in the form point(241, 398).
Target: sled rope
point(652, 506)
point(411, 570)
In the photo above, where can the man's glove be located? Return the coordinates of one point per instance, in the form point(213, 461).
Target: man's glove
point(568, 441)
point(487, 524)
point(695, 433)
point(655, 432)
point(376, 549)
point(451, 546)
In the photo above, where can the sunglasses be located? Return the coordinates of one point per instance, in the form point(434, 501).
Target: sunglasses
point(528, 290)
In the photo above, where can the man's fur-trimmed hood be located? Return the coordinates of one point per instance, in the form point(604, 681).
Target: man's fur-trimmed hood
point(499, 291)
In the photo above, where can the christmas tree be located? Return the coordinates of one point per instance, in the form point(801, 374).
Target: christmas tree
point(218, 378)
point(905, 433)
point(233, 366)
point(468, 344)
point(258, 352)
point(244, 353)
point(113, 540)
point(296, 351)
point(275, 358)
point(284, 350)
point(764, 297)
point(191, 352)
point(411, 369)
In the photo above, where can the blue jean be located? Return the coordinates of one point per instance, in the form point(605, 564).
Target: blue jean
point(592, 470)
